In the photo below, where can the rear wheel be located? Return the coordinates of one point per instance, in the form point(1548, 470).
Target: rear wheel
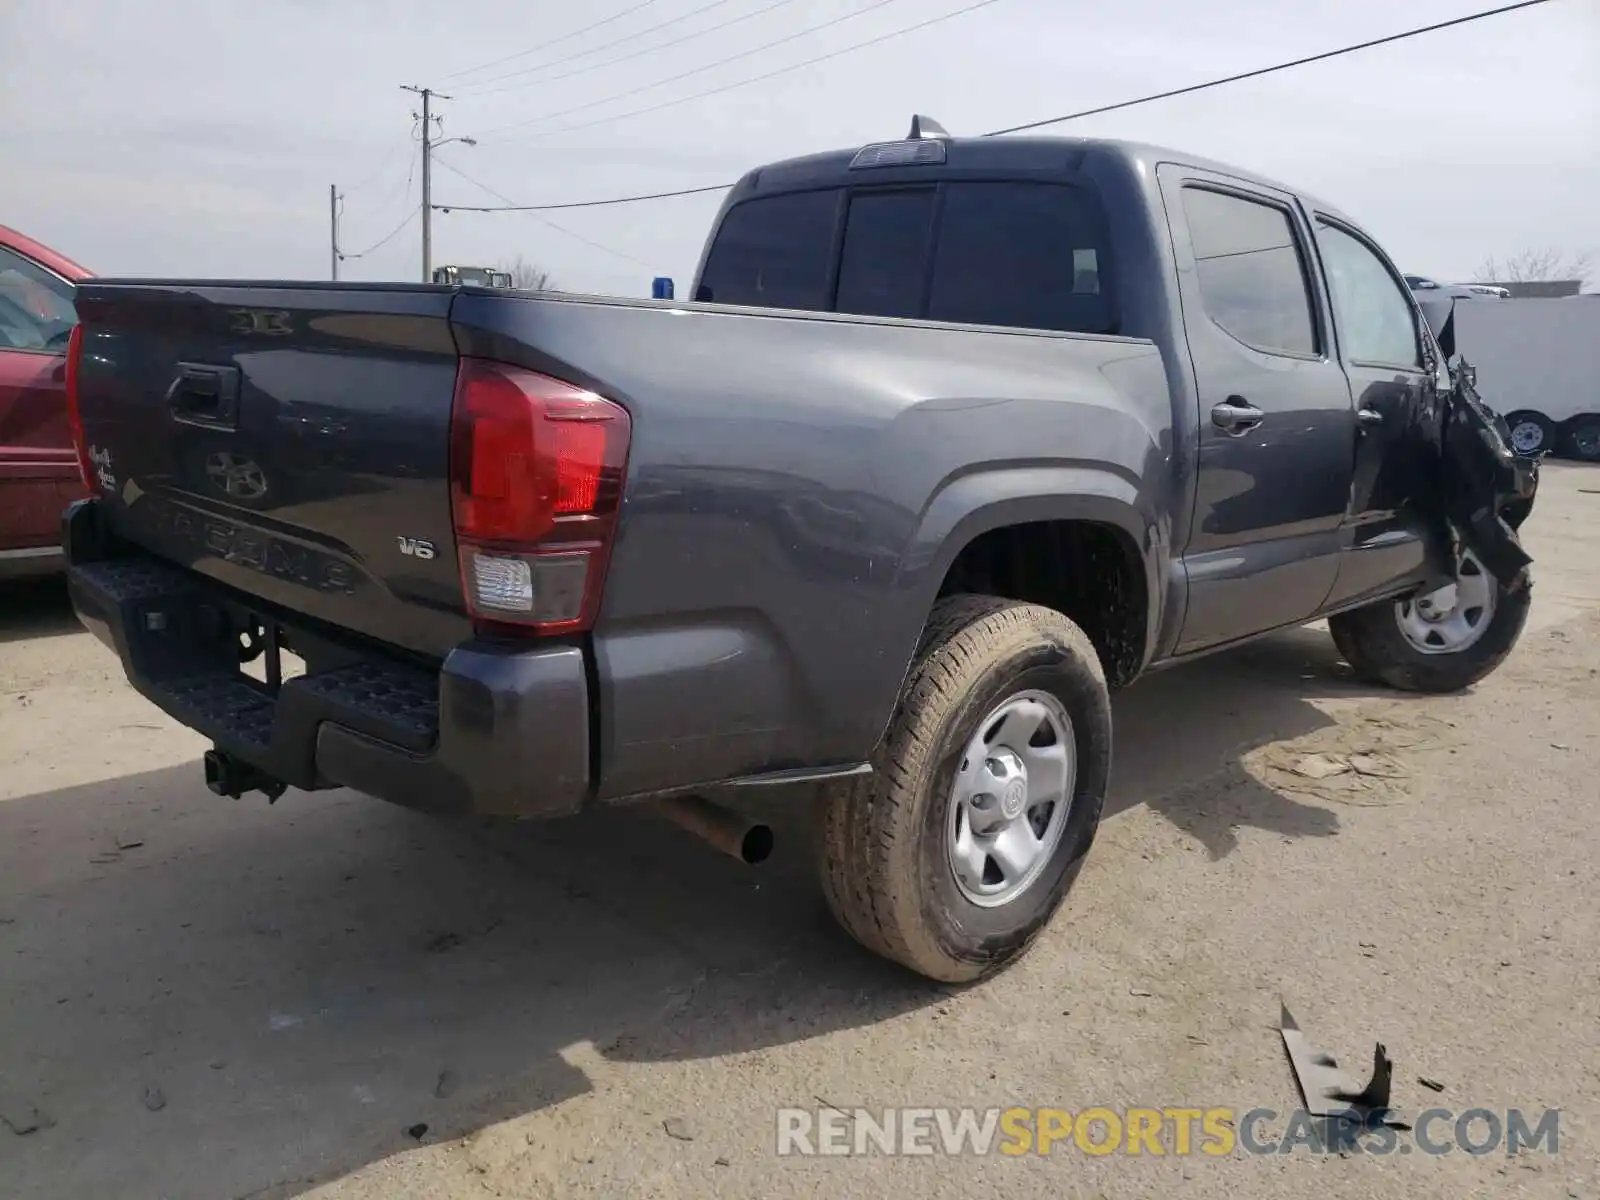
point(1439, 642)
point(1583, 439)
point(986, 795)
point(1530, 432)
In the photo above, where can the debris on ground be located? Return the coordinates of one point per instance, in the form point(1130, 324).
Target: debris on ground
point(1326, 1089)
point(1134, 991)
point(677, 1127)
point(1433, 1085)
point(23, 1118)
point(417, 1131)
point(1351, 762)
point(154, 1098)
point(442, 943)
point(1319, 766)
point(129, 841)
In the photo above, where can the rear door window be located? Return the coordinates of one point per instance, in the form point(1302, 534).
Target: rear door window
point(773, 252)
point(1028, 255)
point(1253, 279)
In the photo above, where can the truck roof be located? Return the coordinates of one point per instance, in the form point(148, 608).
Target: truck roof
point(1027, 154)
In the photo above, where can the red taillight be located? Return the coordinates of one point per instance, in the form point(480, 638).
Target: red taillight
point(535, 482)
point(74, 410)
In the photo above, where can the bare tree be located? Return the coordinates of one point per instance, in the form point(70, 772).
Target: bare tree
point(1536, 266)
point(526, 276)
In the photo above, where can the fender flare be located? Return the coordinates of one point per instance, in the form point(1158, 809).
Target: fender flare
point(973, 504)
point(976, 503)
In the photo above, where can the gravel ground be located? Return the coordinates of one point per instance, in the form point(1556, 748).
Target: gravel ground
point(203, 998)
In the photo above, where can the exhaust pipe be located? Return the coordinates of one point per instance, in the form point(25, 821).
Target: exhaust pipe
point(735, 834)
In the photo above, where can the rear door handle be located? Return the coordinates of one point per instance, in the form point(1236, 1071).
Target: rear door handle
point(1367, 418)
point(1236, 415)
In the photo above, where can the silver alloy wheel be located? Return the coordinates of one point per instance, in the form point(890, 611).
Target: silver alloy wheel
point(1453, 618)
point(1527, 436)
point(1011, 797)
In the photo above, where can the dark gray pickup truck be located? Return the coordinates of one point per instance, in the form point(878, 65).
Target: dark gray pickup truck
point(956, 437)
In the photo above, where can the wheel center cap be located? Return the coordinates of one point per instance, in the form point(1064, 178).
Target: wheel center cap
point(1013, 798)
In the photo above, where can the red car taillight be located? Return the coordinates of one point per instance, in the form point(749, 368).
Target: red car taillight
point(536, 471)
point(74, 410)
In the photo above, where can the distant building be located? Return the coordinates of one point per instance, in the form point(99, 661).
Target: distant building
point(1544, 289)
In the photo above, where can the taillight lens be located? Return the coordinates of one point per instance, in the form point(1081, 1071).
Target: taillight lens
point(536, 471)
point(74, 410)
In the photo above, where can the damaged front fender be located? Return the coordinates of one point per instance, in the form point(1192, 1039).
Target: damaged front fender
point(1486, 490)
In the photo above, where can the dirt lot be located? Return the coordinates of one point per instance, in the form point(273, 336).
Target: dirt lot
point(202, 998)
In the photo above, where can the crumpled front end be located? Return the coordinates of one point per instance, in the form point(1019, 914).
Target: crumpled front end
point(1487, 489)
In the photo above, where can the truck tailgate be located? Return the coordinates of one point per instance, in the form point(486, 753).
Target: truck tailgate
point(291, 442)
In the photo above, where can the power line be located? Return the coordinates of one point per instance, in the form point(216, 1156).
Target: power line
point(611, 62)
point(1260, 71)
point(632, 37)
point(566, 37)
point(451, 167)
point(377, 170)
point(411, 215)
point(694, 191)
point(860, 12)
point(387, 238)
point(403, 190)
point(1088, 112)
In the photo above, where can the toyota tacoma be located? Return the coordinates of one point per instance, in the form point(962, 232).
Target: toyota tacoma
point(955, 437)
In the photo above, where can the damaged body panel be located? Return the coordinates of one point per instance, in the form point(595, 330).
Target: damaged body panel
point(1326, 1088)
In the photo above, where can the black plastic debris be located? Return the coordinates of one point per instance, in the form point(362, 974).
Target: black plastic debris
point(1327, 1089)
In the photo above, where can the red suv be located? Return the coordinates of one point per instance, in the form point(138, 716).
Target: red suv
point(38, 467)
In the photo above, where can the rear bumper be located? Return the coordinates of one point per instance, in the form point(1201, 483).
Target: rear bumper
point(493, 730)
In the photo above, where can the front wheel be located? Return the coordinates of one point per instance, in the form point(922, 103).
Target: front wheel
point(1443, 641)
point(986, 793)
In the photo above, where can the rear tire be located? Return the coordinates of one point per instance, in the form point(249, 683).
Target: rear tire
point(1391, 644)
point(1530, 433)
point(896, 869)
point(1582, 440)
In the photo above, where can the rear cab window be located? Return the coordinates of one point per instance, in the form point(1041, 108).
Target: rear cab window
point(774, 252)
point(1014, 253)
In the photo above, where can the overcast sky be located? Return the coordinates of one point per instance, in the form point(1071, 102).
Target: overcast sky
point(199, 137)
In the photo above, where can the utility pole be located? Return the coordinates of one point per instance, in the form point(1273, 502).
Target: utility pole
point(333, 229)
point(428, 95)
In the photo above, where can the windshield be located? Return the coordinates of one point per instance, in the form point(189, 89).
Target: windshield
point(476, 275)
